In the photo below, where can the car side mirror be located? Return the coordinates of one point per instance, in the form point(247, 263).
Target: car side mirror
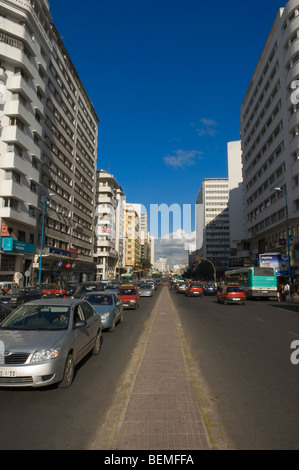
point(80, 324)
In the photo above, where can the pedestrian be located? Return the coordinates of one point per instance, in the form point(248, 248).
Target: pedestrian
point(282, 296)
point(293, 291)
point(287, 291)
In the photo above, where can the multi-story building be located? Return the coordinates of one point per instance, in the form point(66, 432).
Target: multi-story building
point(109, 228)
point(132, 230)
point(161, 265)
point(270, 142)
point(48, 140)
point(212, 222)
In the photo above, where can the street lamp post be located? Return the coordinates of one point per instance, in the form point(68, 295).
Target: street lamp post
point(284, 190)
point(42, 239)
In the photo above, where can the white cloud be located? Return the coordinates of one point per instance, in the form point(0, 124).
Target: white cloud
point(208, 127)
point(182, 158)
point(175, 247)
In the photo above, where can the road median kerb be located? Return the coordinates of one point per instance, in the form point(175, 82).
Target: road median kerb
point(205, 400)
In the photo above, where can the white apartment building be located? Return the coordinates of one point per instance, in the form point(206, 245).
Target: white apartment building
point(48, 147)
point(161, 265)
point(236, 196)
point(270, 141)
point(132, 230)
point(109, 226)
point(212, 222)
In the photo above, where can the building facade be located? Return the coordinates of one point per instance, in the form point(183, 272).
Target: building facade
point(132, 231)
point(270, 143)
point(48, 139)
point(109, 226)
point(212, 222)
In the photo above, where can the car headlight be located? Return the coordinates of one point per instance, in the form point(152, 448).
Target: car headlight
point(133, 301)
point(13, 299)
point(44, 355)
point(105, 315)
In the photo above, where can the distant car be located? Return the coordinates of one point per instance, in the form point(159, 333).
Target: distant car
point(88, 286)
point(49, 290)
point(19, 295)
point(45, 339)
point(129, 297)
point(181, 288)
point(145, 290)
point(232, 295)
point(209, 289)
point(70, 287)
point(4, 311)
point(194, 290)
point(109, 306)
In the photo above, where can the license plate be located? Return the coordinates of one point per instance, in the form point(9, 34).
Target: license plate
point(126, 305)
point(236, 299)
point(7, 373)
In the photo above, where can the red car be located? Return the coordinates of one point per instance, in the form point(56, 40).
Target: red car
point(129, 297)
point(52, 290)
point(231, 295)
point(194, 289)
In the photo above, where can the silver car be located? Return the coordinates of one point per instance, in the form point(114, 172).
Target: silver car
point(42, 341)
point(109, 306)
point(145, 290)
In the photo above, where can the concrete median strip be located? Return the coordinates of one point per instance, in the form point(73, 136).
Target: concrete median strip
point(162, 401)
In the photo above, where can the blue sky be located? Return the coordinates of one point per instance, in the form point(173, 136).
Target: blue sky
point(167, 79)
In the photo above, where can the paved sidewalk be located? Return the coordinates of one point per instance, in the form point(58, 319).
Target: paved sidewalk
point(162, 411)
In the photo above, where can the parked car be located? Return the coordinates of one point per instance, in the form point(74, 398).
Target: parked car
point(86, 287)
point(20, 295)
point(4, 311)
point(232, 295)
point(70, 287)
point(194, 290)
point(129, 297)
point(45, 339)
point(145, 290)
point(109, 306)
point(209, 289)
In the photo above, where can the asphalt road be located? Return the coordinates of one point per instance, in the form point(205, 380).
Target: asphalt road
point(68, 419)
point(243, 353)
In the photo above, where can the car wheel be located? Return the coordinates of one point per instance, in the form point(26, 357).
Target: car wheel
point(68, 373)
point(225, 302)
point(112, 327)
point(97, 344)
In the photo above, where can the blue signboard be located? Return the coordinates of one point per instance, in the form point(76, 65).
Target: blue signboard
point(9, 244)
point(277, 261)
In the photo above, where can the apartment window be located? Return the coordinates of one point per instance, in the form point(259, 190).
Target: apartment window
point(13, 175)
point(11, 202)
point(15, 149)
point(14, 121)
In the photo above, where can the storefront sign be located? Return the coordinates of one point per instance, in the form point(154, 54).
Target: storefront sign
point(9, 244)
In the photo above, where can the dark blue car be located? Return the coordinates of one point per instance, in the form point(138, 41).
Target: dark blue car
point(209, 289)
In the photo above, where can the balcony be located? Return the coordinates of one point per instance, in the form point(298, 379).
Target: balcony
point(14, 215)
point(19, 84)
point(12, 160)
point(10, 188)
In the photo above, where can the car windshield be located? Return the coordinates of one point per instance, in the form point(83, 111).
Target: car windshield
point(38, 317)
point(99, 299)
point(127, 292)
point(234, 289)
point(145, 286)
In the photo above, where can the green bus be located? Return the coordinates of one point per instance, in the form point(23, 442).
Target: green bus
point(257, 282)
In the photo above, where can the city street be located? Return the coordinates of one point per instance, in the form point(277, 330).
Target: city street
point(242, 355)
